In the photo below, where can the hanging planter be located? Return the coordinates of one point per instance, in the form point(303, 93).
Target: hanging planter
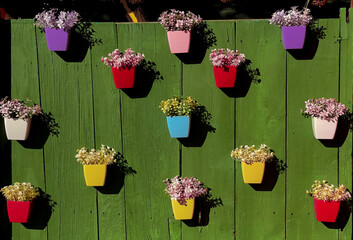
point(123, 67)
point(326, 211)
point(179, 116)
point(183, 192)
point(225, 77)
point(17, 129)
point(324, 129)
point(178, 25)
point(95, 175)
point(57, 25)
point(293, 24)
point(183, 210)
point(253, 161)
point(124, 77)
point(19, 200)
point(327, 200)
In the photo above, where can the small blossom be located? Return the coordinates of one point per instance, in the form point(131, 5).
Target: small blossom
point(178, 106)
point(223, 58)
point(20, 192)
point(324, 191)
point(181, 189)
point(250, 155)
point(18, 109)
point(293, 17)
point(55, 19)
point(118, 59)
point(106, 155)
point(175, 20)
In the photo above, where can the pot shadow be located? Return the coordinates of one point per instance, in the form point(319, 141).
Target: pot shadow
point(43, 207)
point(245, 76)
point(273, 169)
point(343, 127)
point(202, 38)
point(146, 75)
point(116, 176)
point(343, 216)
point(200, 126)
point(203, 206)
point(82, 38)
point(313, 34)
point(42, 127)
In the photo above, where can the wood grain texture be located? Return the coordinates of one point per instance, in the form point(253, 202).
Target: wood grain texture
point(261, 119)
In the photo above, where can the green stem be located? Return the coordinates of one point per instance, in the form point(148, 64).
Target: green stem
point(306, 5)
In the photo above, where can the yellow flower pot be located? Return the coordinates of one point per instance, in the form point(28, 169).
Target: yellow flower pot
point(253, 173)
point(95, 175)
point(185, 211)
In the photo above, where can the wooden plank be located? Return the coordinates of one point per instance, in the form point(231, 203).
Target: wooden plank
point(111, 198)
point(147, 145)
point(66, 92)
point(260, 119)
point(308, 158)
point(27, 163)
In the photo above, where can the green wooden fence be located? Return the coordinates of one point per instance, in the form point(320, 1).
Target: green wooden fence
point(90, 111)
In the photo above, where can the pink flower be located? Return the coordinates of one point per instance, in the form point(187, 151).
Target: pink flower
point(222, 58)
point(325, 109)
point(118, 59)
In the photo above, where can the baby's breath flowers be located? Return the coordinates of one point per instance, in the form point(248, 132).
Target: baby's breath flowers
point(18, 108)
point(178, 106)
point(117, 59)
point(293, 17)
point(181, 189)
point(105, 156)
point(20, 192)
point(56, 19)
point(222, 58)
point(324, 191)
point(250, 155)
point(175, 20)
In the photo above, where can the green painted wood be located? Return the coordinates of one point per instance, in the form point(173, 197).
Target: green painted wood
point(27, 163)
point(106, 97)
point(308, 159)
point(208, 159)
point(261, 119)
point(147, 145)
point(66, 91)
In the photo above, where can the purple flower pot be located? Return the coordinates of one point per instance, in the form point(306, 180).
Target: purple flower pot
point(57, 39)
point(293, 37)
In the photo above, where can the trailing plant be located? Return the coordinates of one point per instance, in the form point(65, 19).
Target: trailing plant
point(54, 18)
point(222, 58)
point(18, 108)
point(181, 189)
point(324, 191)
point(22, 192)
point(325, 108)
point(293, 17)
point(118, 59)
point(175, 20)
point(104, 156)
point(178, 106)
point(250, 155)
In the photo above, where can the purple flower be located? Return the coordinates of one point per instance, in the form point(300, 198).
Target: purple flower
point(55, 19)
point(118, 59)
point(175, 20)
point(292, 17)
point(18, 109)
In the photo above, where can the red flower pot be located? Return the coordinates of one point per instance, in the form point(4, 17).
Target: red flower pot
point(326, 211)
point(124, 77)
point(225, 76)
point(19, 211)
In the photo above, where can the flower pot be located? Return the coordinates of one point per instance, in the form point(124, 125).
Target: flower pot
point(17, 129)
point(179, 41)
point(124, 77)
point(185, 210)
point(293, 37)
point(179, 126)
point(253, 173)
point(19, 212)
point(324, 129)
point(225, 76)
point(326, 211)
point(57, 39)
point(95, 175)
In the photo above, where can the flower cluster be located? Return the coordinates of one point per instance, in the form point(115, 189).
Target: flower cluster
point(20, 192)
point(319, 3)
point(293, 17)
point(223, 58)
point(106, 155)
point(178, 106)
point(55, 19)
point(118, 59)
point(324, 108)
point(175, 20)
point(181, 189)
point(324, 191)
point(250, 155)
point(18, 109)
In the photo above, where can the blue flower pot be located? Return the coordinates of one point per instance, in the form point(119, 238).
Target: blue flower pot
point(179, 126)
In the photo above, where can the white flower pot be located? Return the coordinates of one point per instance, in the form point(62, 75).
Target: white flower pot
point(17, 129)
point(324, 129)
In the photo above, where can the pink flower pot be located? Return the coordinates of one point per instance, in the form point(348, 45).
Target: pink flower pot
point(179, 41)
point(225, 77)
point(19, 211)
point(324, 129)
point(124, 77)
point(326, 211)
